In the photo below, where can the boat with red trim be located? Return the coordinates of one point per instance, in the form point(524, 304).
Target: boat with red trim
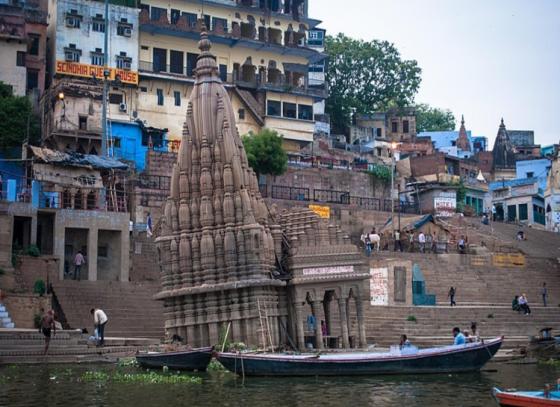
point(447, 359)
point(514, 398)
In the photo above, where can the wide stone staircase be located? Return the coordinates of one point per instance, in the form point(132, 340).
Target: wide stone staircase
point(131, 310)
point(5, 320)
point(428, 326)
point(67, 346)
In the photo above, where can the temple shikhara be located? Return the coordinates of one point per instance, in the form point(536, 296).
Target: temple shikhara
point(227, 260)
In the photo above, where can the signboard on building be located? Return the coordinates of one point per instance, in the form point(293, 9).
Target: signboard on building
point(445, 204)
point(379, 286)
point(323, 211)
point(327, 270)
point(88, 71)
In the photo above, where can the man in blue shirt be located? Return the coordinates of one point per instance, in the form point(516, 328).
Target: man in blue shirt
point(459, 337)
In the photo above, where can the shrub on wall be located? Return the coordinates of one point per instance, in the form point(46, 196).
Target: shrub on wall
point(39, 287)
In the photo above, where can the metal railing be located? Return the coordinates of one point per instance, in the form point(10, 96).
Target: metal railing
point(290, 193)
point(330, 196)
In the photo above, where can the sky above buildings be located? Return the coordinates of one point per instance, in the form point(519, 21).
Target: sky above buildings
point(485, 59)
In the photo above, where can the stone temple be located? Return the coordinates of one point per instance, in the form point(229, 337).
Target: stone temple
point(226, 260)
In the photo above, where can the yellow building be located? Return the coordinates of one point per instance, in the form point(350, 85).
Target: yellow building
point(261, 49)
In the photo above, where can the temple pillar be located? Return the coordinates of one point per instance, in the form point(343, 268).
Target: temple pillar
point(299, 327)
point(361, 322)
point(316, 307)
point(343, 323)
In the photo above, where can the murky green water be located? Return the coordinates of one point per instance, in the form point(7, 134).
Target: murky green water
point(63, 385)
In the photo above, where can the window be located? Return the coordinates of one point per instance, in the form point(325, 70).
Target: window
point(72, 54)
point(219, 21)
point(378, 132)
point(124, 61)
point(191, 19)
point(305, 112)
point(82, 122)
point(315, 38)
point(115, 98)
point(175, 15)
point(160, 97)
point(32, 79)
point(523, 212)
point(530, 174)
point(394, 127)
point(143, 89)
point(97, 57)
point(157, 12)
point(176, 61)
point(98, 23)
point(102, 251)
point(73, 19)
point(20, 58)
point(223, 73)
point(33, 44)
point(117, 142)
point(289, 110)
point(405, 126)
point(274, 108)
point(206, 20)
point(191, 63)
point(319, 67)
point(160, 59)
point(241, 113)
point(124, 28)
point(177, 96)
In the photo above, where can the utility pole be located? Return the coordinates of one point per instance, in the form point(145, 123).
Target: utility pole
point(106, 74)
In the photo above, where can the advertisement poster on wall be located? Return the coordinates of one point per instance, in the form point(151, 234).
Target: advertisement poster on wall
point(445, 204)
point(379, 286)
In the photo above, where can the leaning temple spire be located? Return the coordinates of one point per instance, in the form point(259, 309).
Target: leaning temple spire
point(216, 244)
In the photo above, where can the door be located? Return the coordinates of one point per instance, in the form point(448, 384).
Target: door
point(523, 213)
point(511, 213)
point(399, 274)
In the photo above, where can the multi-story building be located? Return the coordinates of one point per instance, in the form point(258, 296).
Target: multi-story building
point(398, 125)
point(23, 43)
point(263, 53)
point(72, 107)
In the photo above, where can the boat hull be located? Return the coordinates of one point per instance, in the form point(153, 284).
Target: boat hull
point(193, 360)
point(526, 398)
point(448, 360)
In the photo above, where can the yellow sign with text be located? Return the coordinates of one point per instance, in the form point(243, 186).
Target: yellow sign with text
point(323, 211)
point(508, 260)
point(89, 71)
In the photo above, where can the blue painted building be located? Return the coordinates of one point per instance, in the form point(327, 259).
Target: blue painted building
point(533, 169)
point(131, 141)
point(446, 142)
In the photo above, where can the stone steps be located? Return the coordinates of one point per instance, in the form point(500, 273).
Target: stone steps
point(5, 320)
point(129, 306)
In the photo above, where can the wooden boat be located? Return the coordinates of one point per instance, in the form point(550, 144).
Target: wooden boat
point(527, 398)
point(447, 359)
point(194, 359)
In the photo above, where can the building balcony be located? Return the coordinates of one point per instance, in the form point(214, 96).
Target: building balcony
point(289, 82)
point(246, 35)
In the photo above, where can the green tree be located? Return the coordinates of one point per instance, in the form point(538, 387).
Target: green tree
point(265, 152)
point(366, 77)
point(17, 119)
point(433, 119)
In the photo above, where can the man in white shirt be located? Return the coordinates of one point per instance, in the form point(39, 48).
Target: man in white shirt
point(422, 241)
point(99, 320)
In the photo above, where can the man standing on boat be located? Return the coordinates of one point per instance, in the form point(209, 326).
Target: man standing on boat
point(459, 337)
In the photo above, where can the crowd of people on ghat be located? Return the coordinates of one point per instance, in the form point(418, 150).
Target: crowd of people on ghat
point(408, 241)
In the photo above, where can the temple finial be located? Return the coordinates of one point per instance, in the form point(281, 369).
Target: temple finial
point(462, 120)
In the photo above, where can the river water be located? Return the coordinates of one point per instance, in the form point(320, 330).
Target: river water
point(63, 385)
